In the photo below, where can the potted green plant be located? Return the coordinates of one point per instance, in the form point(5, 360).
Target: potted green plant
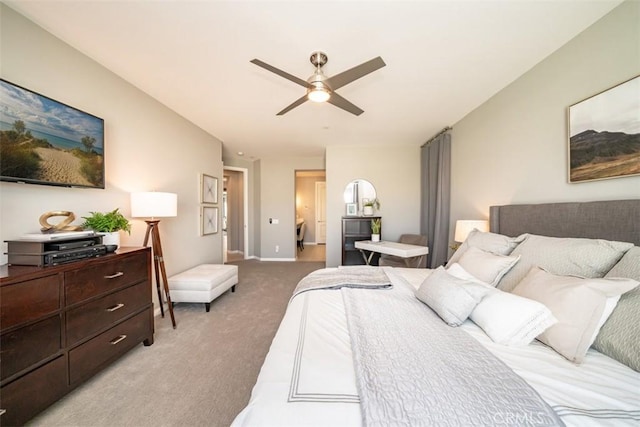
point(369, 205)
point(375, 230)
point(109, 223)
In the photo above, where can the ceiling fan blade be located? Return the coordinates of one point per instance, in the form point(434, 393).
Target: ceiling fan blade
point(340, 102)
point(346, 77)
point(280, 72)
point(293, 105)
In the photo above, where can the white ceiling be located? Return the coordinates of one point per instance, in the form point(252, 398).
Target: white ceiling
point(444, 58)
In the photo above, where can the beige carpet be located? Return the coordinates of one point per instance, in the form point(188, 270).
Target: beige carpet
point(201, 373)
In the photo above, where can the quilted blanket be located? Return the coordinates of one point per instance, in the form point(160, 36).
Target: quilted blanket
point(351, 276)
point(434, 376)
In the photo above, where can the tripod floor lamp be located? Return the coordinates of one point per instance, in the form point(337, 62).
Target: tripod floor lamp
point(156, 205)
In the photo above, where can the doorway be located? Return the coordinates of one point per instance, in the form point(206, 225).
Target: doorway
point(310, 211)
point(235, 214)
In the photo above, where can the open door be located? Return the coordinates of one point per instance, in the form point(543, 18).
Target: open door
point(321, 221)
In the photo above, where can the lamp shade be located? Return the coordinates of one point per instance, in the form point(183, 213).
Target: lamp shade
point(154, 204)
point(465, 226)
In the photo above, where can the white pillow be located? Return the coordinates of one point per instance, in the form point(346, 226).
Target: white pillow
point(489, 242)
point(580, 305)
point(485, 266)
point(458, 271)
point(510, 319)
point(451, 298)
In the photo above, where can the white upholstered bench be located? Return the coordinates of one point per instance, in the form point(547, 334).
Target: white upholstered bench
point(203, 283)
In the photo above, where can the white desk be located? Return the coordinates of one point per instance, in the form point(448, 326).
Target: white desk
point(402, 250)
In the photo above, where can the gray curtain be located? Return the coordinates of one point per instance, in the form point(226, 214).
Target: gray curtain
point(435, 197)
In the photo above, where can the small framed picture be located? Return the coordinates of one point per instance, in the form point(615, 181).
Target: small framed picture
point(352, 209)
point(208, 189)
point(209, 220)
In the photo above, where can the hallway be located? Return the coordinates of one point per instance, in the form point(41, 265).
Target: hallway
point(312, 253)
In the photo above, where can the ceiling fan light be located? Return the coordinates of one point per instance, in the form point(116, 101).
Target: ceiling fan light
point(318, 94)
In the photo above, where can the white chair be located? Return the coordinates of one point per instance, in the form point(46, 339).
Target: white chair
point(301, 236)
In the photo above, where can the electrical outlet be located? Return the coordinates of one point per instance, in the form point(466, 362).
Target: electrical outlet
point(277, 248)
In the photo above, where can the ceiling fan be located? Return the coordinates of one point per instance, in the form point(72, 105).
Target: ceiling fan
point(321, 88)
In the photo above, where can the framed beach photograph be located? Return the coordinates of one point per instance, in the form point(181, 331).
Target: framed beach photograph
point(208, 189)
point(209, 220)
point(44, 141)
point(604, 134)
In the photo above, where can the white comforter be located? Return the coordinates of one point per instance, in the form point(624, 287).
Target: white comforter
point(308, 377)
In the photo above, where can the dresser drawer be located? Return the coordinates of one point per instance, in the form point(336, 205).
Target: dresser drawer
point(100, 314)
point(104, 277)
point(26, 346)
point(29, 300)
point(86, 359)
point(30, 394)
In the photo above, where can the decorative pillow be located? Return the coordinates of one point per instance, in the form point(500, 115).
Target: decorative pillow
point(578, 304)
point(509, 319)
point(618, 337)
point(451, 298)
point(565, 257)
point(489, 242)
point(485, 266)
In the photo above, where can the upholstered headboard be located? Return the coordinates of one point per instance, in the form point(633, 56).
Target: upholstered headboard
point(610, 220)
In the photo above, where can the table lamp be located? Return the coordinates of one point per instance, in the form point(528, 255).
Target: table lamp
point(464, 227)
point(156, 205)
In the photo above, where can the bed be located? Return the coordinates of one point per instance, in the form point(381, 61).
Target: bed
point(330, 363)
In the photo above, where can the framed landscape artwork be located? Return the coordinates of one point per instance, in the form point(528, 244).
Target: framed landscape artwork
point(604, 134)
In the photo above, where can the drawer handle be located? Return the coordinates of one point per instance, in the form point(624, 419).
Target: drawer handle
point(113, 276)
point(3, 411)
point(117, 340)
point(115, 307)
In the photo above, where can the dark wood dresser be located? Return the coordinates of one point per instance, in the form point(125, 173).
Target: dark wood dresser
point(60, 325)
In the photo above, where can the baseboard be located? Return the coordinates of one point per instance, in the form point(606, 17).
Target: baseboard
point(277, 259)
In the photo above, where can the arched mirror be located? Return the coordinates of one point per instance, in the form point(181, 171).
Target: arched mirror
point(355, 192)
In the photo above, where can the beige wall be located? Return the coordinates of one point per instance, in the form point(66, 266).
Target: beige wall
point(147, 147)
point(277, 201)
point(395, 173)
point(513, 148)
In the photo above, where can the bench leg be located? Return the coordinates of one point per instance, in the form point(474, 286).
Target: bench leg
point(207, 306)
point(233, 288)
